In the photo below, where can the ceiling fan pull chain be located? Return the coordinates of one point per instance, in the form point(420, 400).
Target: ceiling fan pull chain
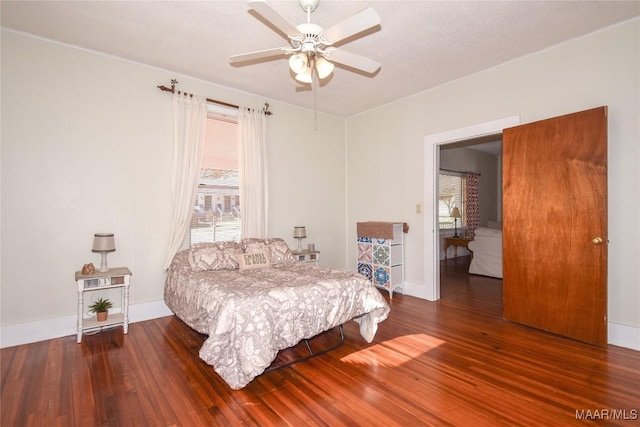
point(315, 99)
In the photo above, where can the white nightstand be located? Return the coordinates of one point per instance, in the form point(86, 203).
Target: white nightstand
point(307, 256)
point(101, 280)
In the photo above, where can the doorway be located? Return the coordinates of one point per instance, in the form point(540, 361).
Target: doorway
point(432, 143)
point(556, 176)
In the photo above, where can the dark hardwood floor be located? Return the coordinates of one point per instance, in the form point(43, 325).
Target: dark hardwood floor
point(452, 362)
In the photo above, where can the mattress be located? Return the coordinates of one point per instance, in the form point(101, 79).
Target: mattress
point(250, 315)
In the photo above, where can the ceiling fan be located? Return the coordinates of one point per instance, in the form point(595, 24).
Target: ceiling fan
point(311, 47)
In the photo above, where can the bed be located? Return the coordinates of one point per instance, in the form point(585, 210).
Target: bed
point(253, 299)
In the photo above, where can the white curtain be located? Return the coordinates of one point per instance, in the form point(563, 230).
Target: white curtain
point(190, 119)
point(253, 172)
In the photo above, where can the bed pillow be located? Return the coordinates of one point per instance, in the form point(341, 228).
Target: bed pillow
point(213, 256)
point(251, 260)
point(279, 252)
point(253, 244)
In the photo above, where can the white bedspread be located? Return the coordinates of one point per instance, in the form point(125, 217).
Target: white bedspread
point(250, 315)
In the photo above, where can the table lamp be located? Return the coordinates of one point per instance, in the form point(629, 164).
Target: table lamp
point(299, 233)
point(103, 243)
point(455, 214)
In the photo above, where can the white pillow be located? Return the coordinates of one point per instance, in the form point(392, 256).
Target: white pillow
point(251, 260)
point(213, 256)
point(279, 252)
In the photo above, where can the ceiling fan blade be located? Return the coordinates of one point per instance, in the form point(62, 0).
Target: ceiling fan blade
point(260, 54)
point(270, 14)
point(354, 61)
point(357, 23)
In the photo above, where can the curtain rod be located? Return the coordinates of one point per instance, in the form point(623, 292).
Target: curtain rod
point(172, 89)
point(450, 170)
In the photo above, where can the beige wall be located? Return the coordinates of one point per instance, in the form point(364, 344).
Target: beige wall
point(385, 147)
point(487, 165)
point(86, 147)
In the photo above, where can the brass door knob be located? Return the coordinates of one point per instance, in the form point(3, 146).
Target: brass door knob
point(596, 240)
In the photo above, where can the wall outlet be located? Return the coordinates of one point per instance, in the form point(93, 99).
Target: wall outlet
point(418, 208)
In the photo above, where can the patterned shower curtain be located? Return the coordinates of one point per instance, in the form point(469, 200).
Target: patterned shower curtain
point(472, 209)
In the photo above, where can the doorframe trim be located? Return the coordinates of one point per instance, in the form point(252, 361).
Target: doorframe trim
point(431, 238)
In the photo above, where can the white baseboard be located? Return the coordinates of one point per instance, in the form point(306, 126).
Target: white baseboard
point(41, 330)
point(416, 290)
point(624, 336)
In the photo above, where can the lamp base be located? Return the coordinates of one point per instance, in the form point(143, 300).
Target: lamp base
point(103, 263)
point(299, 243)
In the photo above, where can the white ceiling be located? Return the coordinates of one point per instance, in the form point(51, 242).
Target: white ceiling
point(421, 44)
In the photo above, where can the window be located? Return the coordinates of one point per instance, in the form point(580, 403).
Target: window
point(453, 187)
point(216, 212)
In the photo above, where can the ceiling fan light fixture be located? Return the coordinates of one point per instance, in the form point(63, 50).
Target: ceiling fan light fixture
point(298, 63)
point(305, 76)
point(311, 48)
point(324, 68)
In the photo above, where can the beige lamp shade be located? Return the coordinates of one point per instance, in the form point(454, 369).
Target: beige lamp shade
point(103, 242)
point(455, 213)
point(300, 233)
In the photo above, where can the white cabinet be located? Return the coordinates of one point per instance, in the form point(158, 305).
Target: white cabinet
point(307, 256)
point(381, 260)
point(114, 278)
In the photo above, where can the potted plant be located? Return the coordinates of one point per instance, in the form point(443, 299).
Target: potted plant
point(101, 309)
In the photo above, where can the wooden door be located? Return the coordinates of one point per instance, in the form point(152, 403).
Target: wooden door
point(555, 225)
